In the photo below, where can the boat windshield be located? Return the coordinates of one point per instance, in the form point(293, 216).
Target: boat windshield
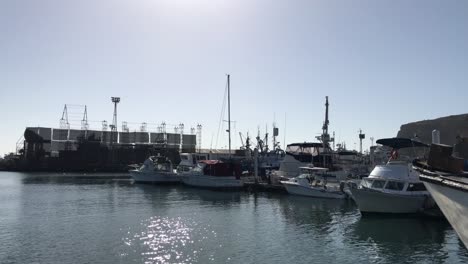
point(304, 176)
point(304, 150)
point(199, 168)
point(416, 187)
point(366, 182)
point(164, 167)
point(183, 168)
point(313, 170)
point(394, 185)
point(378, 184)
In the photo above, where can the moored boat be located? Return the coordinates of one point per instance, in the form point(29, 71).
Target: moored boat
point(155, 170)
point(315, 182)
point(445, 178)
point(394, 187)
point(214, 174)
point(451, 195)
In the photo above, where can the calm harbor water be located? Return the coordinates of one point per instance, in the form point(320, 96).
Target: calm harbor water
point(59, 219)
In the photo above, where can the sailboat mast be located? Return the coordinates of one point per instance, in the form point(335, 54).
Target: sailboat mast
point(229, 112)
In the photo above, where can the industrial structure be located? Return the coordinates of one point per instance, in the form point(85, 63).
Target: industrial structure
point(85, 149)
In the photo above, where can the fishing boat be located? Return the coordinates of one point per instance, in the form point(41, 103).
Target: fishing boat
point(317, 154)
point(155, 169)
point(268, 159)
point(448, 185)
point(315, 182)
point(394, 187)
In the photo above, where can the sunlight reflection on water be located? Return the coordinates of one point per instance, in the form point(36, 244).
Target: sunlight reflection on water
point(166, 240)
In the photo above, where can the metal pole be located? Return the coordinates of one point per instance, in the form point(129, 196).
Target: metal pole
point(256, 165)
point(229, 114)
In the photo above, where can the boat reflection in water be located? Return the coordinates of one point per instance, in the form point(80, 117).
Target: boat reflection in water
point(427, 240)
point(319, 216)
point(338, 225)
point(74, 178)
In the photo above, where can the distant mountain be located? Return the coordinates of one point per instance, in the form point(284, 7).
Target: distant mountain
point(450, 128)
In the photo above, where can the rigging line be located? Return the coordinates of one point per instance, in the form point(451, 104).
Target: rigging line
point(222, 115)
point(75, 105)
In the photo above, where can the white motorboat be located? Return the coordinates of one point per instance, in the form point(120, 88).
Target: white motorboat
point(155, 170)
point(315, 182)
point(302, 155)
point(394, 187)
point(214, 174)
point(188, 161)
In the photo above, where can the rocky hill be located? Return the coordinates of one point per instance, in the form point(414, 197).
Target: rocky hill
point(450, 127)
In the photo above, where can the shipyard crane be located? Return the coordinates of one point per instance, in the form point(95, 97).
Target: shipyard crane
point(246, 143)
point(325, 135)
point(242, 140)
point(260, 143)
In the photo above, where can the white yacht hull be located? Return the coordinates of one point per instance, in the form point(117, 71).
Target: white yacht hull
point(297, 189)
point(215, 182)
point(453, 202)
point(154, 177)
point(372, 201)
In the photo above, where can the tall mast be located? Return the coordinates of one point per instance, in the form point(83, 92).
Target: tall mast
point(325, 135)
point(229, 113)
point(325, 124)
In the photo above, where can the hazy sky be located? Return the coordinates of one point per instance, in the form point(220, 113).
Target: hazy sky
point(382, 64)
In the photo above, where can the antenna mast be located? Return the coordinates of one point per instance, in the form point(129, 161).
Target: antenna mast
point(115, 100)
point(327, 122)
point(361, 137)
point(325, 138)
point(199, 137)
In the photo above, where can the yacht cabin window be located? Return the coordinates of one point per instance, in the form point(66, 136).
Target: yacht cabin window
point(394, 185)
point(378, 184)
point(416, 187)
